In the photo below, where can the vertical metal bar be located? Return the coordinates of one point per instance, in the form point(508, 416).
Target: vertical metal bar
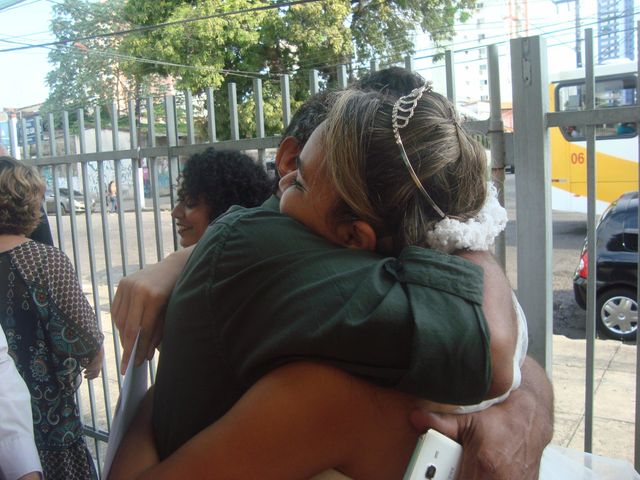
point(115, 138)
point(13, 135)
point(106, 243)
point(25, 144)
point(188, 102)
point(636, 456)
point(286, 99)
point(314, 82)
point(38, 131)
point(54, 178)
point(450, 70)
point(342, 77)
point(257, 95)
point(108, 267)
point(172, 140)
point(38, 128)
point(135, 177)
point(408, 63)
point(233, 112)
point(533, 192)
point(591, 244)
point(153, 176)
point(90, 246)
point(71, 195)
point(496, 140)
point(211, 113)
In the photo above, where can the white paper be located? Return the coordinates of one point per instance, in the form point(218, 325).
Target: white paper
point(133, 390)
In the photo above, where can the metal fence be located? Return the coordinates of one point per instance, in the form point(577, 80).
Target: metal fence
point(105, 245)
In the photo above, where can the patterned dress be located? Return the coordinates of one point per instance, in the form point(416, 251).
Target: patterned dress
point(52, 334)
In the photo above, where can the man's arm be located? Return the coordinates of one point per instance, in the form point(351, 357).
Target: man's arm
point(140, 302)
point(505, 441)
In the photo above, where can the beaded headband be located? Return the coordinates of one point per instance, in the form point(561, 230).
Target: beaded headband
point(402, 112)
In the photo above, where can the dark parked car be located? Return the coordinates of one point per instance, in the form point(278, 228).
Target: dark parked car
point(617, 271)
point(63, 198)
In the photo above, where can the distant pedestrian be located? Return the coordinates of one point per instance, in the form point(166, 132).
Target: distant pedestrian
point(112, 197)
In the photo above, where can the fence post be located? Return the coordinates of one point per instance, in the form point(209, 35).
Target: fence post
point(257, 97)
point(286, 100)
point(496, 141)
point(533, 192)
point(172, 141)
point(314, 84)
point(408, 63)
point(450, 70)
point(342, 77)
point(233, 112)
point(211, 115)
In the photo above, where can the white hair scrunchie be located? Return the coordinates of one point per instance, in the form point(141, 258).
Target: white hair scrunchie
point(477, 233)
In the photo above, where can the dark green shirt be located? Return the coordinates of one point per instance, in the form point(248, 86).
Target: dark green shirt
point(261, 290)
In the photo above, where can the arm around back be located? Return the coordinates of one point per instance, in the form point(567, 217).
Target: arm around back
point(298, 421)
point(500, 315)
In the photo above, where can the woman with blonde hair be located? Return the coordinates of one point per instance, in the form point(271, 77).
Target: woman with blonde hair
point(51, 329)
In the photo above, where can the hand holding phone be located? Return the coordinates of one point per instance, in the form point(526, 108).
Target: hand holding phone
point(436, 457)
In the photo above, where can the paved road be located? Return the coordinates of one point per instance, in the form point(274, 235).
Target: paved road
point(569, 232)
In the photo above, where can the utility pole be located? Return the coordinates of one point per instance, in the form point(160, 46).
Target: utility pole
point(577, 26)
point(578, 35)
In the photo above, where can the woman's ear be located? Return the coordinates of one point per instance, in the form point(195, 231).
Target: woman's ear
point(357, 234)
point(286, 154)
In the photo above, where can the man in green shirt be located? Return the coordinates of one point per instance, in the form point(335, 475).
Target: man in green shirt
point(402, 364)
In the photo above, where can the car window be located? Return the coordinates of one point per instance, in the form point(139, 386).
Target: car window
point(631, 229)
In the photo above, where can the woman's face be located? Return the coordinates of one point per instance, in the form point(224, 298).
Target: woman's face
point(192, 219)
point(306, 193)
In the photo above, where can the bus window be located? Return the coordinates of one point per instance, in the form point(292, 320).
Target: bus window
point(609, 92)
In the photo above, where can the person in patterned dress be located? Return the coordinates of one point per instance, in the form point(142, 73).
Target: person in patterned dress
point(51, 329)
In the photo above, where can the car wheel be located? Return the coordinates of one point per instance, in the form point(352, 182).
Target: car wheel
point(618, 313)
point(64, 209)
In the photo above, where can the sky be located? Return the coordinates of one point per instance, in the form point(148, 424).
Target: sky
point(22, 82)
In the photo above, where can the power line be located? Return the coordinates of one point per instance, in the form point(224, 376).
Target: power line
point(147, 28)
point(19, 5)
point(307, 67)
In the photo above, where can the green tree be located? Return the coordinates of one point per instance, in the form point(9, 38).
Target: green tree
point(86, 71)
point(234, 47)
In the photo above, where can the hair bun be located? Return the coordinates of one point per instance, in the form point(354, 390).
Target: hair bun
point(477, 233)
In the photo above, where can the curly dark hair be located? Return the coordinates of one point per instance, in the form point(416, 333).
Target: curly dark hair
point(223, 178)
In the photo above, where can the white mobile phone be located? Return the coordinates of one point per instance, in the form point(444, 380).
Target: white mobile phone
point(436, 457)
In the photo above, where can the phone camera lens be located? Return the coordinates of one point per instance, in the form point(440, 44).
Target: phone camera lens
point(431, 472)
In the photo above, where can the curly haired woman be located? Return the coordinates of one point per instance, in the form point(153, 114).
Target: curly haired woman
point(210, 183)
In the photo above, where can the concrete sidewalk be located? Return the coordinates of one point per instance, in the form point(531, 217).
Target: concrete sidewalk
point(614, 397)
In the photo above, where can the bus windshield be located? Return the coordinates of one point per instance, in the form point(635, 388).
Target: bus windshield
point(609, 92)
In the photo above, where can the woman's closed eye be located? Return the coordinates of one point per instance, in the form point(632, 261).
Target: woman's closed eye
point(295, 183)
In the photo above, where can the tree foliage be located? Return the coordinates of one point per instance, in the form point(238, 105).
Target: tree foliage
point(86, 71)
point(236, 42)
point(237, 46)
